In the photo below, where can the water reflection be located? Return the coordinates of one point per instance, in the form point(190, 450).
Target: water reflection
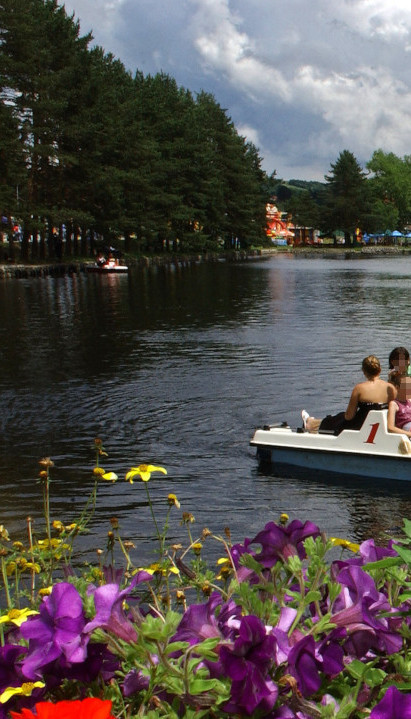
point(356, 508)
point(177, 366)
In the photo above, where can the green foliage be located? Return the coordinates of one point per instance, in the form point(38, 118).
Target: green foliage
point(94, 148)
point(179, 678)
point(391, 182)
point(345, 197)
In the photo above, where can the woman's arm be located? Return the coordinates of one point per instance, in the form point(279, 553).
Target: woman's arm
point(352, 404)
point(392, 411)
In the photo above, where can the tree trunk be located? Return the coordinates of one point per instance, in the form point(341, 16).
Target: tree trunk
point(50, 238)
point(69, 230)
point(83, 242)
point(92, 242)
point(11, 254)
point(25, 244)
point(75, 240)
point(35, 246)
point(42, 246)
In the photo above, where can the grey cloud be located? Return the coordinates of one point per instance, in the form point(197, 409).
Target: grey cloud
point(307, 77)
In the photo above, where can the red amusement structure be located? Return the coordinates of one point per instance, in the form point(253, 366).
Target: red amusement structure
point(279, 225)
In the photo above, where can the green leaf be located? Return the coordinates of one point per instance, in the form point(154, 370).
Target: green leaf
point(247, 560)
point(356, 669)
point(404, 553)
point(312, 596)
point(374, 677)
point(407, 527)
point(177, 647)
point(384, 563)
point(206, 648)
point(155, 628)
point(197, 686)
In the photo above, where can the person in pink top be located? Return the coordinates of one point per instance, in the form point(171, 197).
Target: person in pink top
point(399, 409)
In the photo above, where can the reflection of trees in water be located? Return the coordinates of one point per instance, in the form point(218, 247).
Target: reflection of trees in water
point(85, 325)
point(365, 508)
point(379, 513)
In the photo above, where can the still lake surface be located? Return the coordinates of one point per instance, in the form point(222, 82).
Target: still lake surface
point(176, 367)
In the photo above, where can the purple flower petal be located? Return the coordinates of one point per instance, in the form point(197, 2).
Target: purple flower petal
point(393, 705)
point(56, 631)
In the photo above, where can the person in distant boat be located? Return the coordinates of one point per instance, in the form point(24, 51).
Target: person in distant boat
point(399, 409)
point(399, 361)
point(100, 259)
point(110, 260)
point(374, 393)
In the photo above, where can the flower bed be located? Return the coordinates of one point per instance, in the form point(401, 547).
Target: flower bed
point(277, 630)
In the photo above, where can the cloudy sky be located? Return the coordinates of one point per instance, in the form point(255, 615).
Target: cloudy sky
point(302, 79)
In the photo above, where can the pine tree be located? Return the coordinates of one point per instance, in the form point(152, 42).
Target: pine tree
point(346, 195)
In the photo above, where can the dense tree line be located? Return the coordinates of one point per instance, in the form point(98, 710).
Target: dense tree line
point(374, 200)
point(87, 149)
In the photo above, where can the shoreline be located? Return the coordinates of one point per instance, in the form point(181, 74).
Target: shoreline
point(58, 269)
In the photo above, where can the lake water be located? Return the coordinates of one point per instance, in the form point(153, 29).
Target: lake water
point(176, 367)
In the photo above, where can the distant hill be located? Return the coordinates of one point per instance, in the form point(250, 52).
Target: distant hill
point(285, 190)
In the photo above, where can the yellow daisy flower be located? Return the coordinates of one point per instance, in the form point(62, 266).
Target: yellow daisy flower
point(144, 471)
point(17, 616)
point(173, 501)
point(4, 533)
point(345, 543)
point(109, 476)
point(26, 690)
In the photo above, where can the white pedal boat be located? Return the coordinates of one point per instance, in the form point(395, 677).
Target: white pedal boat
point(371, 451)
point(107, 268)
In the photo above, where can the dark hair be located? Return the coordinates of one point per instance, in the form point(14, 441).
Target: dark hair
point(395, 355)
point(395, 378)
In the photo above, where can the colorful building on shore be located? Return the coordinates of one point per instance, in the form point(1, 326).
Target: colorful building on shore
point(279, 226)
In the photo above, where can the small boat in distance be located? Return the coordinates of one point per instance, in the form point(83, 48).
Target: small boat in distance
point(111, 264)
point(371, 451)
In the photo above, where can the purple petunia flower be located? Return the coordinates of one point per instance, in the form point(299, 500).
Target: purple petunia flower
point(56, 632)
point(279, 542)
point(393, 705)
point(304, 666)
point(100, 662)
point(358, 609)
point(110, 615)
point(135, 682)
point(10, 666)
point(247, 663)
point(307, 660)
point(200, 621)
point(280, 632)
point(243, 574)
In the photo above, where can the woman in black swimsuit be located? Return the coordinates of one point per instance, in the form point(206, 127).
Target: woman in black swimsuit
point(374, 393)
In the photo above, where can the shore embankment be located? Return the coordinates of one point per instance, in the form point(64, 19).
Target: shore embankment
point(20, 270)
point(57, 269)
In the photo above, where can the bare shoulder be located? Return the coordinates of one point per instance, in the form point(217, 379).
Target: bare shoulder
point(392, 392)
point(357, 388)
